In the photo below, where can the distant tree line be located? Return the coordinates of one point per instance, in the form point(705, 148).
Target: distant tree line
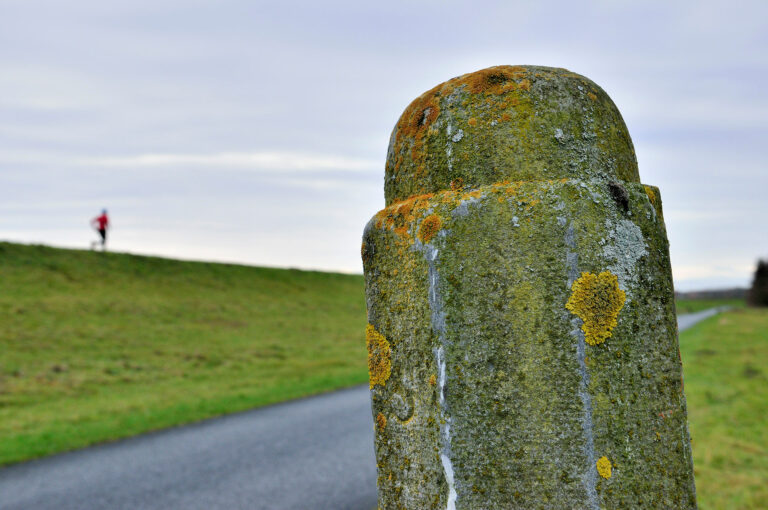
point(733, 293)
point(758, 294)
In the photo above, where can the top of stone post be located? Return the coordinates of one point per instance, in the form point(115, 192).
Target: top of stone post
point(507, 123)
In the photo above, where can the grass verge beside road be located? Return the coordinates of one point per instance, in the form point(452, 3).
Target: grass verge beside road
point(726, 384)
point(698, 305)
point(95, 347)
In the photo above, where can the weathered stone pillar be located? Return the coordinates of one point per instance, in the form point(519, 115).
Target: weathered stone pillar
point(522, 334)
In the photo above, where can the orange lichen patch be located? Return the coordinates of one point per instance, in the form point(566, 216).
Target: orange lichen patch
point(596, 300)
point(505, 117)
point(381, 421)
point(506, 187)
point(604, 467)
point(472, 121)
point(401, 215)
point(592, 96)
point(415, 124)
point(381, 218)
point(429, 228)
point(405, 207)
point(432, 380)
point(493, 80)
point(525, 84)
point(402, 231)
point(379, 357)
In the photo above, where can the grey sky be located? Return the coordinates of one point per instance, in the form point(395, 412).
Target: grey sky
point(256, 131)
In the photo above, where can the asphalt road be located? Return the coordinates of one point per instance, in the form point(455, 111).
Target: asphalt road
point(313, 453)
point(687, 320)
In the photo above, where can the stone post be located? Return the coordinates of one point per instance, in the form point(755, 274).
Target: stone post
point(522, 335)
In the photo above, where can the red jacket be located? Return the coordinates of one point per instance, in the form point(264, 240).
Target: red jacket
point(102, 222)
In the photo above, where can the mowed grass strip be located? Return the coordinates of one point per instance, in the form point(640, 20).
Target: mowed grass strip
point(95, 347)
point(726, 384)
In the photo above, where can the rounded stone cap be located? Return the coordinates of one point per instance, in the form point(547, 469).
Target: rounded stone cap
point(507, 123)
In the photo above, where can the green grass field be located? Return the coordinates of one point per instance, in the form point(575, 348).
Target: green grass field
point(99, 346)
point(726, 384)
point(697, 305)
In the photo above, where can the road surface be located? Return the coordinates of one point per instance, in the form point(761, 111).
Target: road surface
point(313, 453)
point(687, 320)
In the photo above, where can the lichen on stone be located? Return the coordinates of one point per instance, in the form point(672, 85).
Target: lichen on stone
point(429, 228)
point(381, 421)
point(604, 467)
point(624, 248)
point(379, 357)
point(651, 194)
point(596, 300)
point(500, 115)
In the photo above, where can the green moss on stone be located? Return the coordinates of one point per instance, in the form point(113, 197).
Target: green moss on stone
point(508, 123)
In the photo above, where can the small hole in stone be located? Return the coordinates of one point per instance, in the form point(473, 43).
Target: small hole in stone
point(496, 78)
point(619, 194)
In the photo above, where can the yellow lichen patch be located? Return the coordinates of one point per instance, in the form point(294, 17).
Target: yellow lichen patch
point(381, 421)
point(429, 228)
point(525, 84)
point(432, 380)
point(379, 357)
point(592, 96)
point(472, 121)
point(651, 194)
point(604, 467)
point(596, 300)
point(472, 194)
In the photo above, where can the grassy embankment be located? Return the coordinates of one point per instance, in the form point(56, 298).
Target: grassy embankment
point(726, 384)
point(697, 305)
point(99, 346)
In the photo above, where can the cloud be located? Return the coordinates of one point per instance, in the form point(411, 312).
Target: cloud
point(275, 117)
point(266, 160)
point(256, 160)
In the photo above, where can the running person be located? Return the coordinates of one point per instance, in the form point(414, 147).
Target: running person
point(101, 224)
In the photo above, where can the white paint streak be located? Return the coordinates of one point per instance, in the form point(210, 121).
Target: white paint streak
point(446, 433)
point(441, 375)
point(438, 325)
point(448, 468)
